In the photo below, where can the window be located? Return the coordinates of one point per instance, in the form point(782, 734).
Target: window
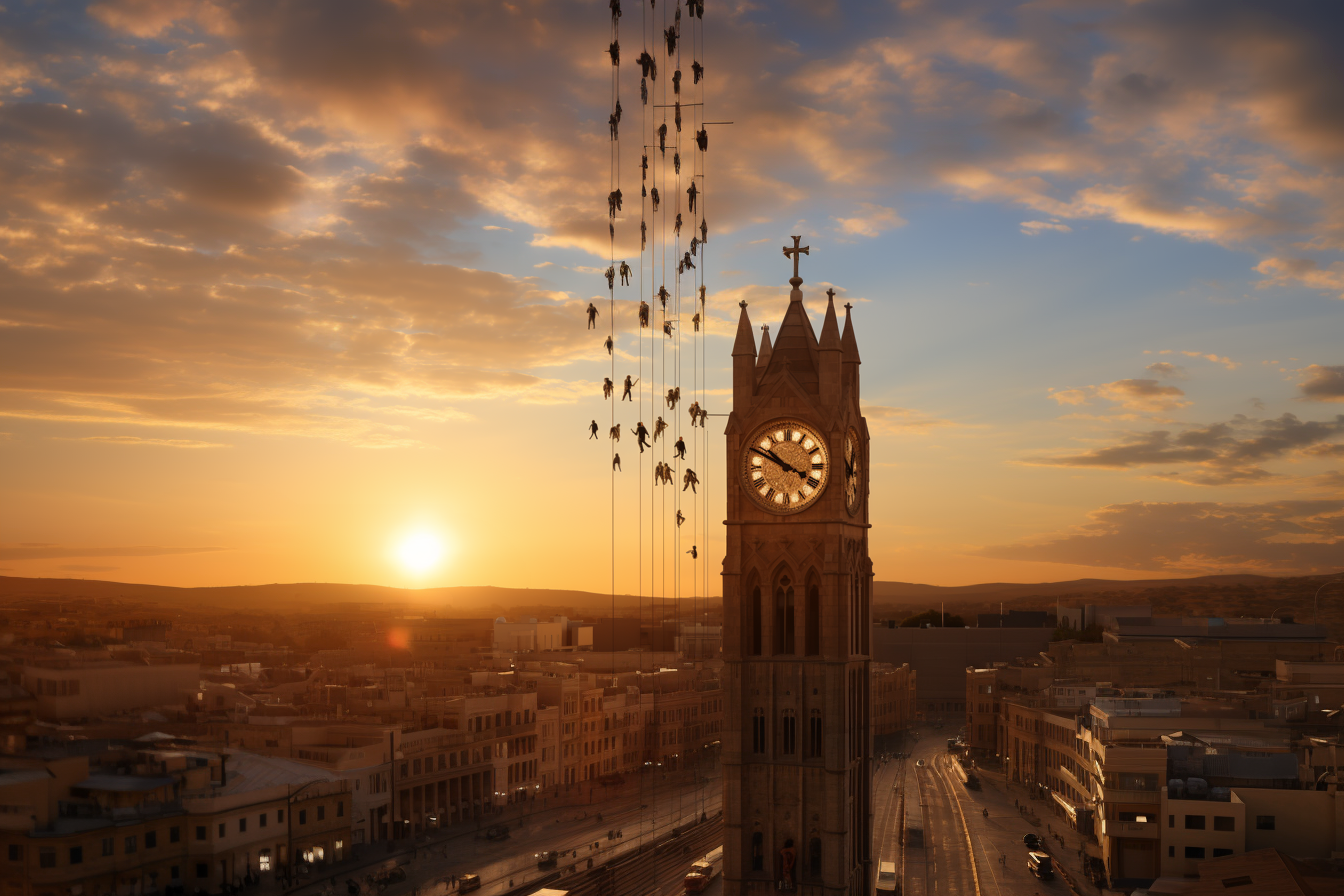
point(1194, 852)
point(415, 767)
point(130, 844)
point(279, 816)
point(242, 825)
point(303, 816)
point(1218, 853)
point(814, 857)
point(758, 731)
point(340, 809)
point(813, 622)
point(151, 839)
point(758, 851)
point(264, 860)
point(221, 829)
point(1135, 817)
point(202, 870)
point(76, 855)
point(200, 832)
point(46, 858)
point(1264, 822)
point(1171, 852)
point(756, 621)
point(815, 739)
point(1224, 823)
point(175, 872)
point(108, 847)
point(15, 853)
point(789, 732)
point(1194, 822)
point(1171, 821)
point(321, 813)
point(783, 633)
point(175, 834)
point(261, 819)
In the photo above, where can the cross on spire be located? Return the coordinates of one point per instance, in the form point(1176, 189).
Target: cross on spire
point(830, 294)
point(794, 251)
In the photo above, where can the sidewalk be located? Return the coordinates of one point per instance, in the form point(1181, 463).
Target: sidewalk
point(1063, 843)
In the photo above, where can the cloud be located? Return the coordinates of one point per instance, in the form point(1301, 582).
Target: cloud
point(1134, 394)
point(1228, 453)
point(898, 420)
point(870, 220)
point(1323, 383)
point(1225, 362)
point(1035, 228)
point(1278, 538)
point(34, 551)
point(164, 443)
point(1166, 370)
point(1302, 272)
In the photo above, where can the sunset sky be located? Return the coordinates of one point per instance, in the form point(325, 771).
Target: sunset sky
point(285, 284)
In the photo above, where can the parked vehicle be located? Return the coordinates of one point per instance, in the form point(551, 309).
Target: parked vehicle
point(1041, 865)
point(547, 858)
point(972, 782)
point(703, 872)
point(886, 878)
point(1031, 841)
point(468, 882)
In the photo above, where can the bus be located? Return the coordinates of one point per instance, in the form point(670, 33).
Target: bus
point(886, 878)
point(705, 869)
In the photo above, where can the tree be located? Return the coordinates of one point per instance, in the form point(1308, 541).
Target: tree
point(935, 619)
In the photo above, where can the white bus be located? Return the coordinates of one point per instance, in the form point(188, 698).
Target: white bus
point(886, 878)
point(705, 869)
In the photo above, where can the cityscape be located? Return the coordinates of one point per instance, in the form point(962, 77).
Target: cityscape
point(627, 448)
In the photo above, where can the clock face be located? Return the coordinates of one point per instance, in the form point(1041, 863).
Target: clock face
point(785, 466)
point(853, 472)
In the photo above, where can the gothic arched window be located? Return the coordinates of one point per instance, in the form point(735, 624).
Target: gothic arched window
point(756, 621)
point(789, 733)
point(812, 620)
point(784, 616)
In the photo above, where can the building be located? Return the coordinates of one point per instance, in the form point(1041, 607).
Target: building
point(893, 712)
point(67, 689)
point(797, 586)
point(1091, 615)
point(940, 656)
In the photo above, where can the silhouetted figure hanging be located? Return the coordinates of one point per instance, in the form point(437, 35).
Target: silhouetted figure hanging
point(629, 384)
point(704, 415)
point(644, 167)
point(695, 244)
point(704, 231)
point(694, 410)
point(695, 8)
point(616, 462)
point(691, 193)
point(615, 10)
point(614, 201)
point(673, 396)
point(702, 139)
point(689, 480)
point(592, 316)
point(667, 328)
point(676, 226)
point(609, 344)
point(607, 387)
point(676, 114)
point(695, 321)
point(697, 72)
point(663, 296)
point(615, 51)
point(592, 430)
point(612, 125)
point(702, 297)
point(648, 65)
point(676, 82)
point(695, 555)
point(671, 35)
point(653, 195)
point(659, 427)
point(642, 434)
point(644, 90)
point(643, 236)
point(662, 138)
point(610, 274)
point(662, 474)
point(617, 113)
point(676, 162)
point(681, 518)
point(643, 315)
point(615, 433)
point(686, 264)
point(625, 274)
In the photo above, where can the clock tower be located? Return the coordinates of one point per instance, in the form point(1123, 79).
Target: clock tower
point(797, 583)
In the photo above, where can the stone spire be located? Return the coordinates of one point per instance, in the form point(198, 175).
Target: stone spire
point(763, 358)
point(745, 343)
point(744, 362)
point(829, 352)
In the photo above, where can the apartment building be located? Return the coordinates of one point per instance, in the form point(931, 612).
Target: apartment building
point(893, 696)
point(72, 688)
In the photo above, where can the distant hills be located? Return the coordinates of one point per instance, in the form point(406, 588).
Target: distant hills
point(909, 593)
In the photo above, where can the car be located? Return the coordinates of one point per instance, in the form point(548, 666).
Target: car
point(468, 882)
point(886, 878)
point(1041, 865)
point(547, 858)
point(1031, 841)
point(919, 763)
point(972, 782)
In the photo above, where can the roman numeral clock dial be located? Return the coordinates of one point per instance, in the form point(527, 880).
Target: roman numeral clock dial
point(785, 466)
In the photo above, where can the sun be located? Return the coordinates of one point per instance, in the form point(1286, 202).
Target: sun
point(421, 551)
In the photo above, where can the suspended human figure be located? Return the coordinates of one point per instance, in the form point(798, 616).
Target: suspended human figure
point(613, 123)
point(663, 296)
point(695, 244)
point(673, 396)
point(691, 193)
point(662, 138)
point(607, 387)
point(629, 384)
point(681, 518)
point(671, 35)
point(695, 8)
point(668, 477)
point(643, 315)
point(676, 107)
point(643, 236)
point(615, 10)
point(702, 297)
point(615, 51)
point(704, 415)
point(648, 65)
point(679, 449)
point(592, 316)
point(694, 410)
point(689, 480)
point(615, 462)
point(676, 82)
point(667, 328)
point(644, 90)
point(614, 202)
point(592, 430)
point(686, 263)
point(695, 555)
point(676, 162)
point(614, 433)
point(653, 195)
point(695, 321)
point(704, 231)
point(642, 435)
point(644, 167)
point(658, 426)
point(625, 274)
point(697, 72)
point(702, 139)
point(609, 345)
point(676, 225)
